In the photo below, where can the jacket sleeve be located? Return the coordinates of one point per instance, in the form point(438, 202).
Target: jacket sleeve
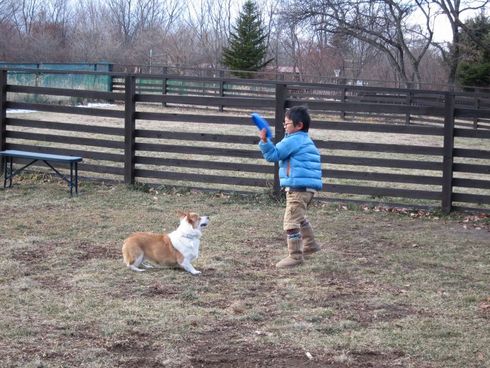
point(280, 151)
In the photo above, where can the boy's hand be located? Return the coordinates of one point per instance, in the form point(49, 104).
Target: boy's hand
point(263, 135)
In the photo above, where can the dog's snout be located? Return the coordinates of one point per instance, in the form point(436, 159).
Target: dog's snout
point(204, 221)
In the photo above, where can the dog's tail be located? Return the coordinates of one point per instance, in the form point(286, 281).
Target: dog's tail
point(132, 255)
point(125, 253)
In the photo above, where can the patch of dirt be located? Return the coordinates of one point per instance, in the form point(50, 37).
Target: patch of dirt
point(134, 348)
point(339, 287)
point(368, 313)
point(129, 344)
point(231, 346)
point(88, 250)
point(32, 257)
point(35, 256)
point(55, 283)
point(158, 289)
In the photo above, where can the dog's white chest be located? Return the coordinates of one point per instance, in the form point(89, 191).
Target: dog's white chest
point(186, 244)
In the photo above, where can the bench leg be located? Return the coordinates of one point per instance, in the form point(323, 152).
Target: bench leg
point(71, 182)
point(5, 171)
point(76, 178)
point(73, 178)
point(9, 165)
point(9, 170)
point(4, 167)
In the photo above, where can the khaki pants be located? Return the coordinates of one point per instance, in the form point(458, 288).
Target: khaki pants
point(296, 206)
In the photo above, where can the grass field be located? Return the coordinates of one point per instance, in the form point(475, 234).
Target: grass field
point(389, 289)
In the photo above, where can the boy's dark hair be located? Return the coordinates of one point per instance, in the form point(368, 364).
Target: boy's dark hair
point(299, 114)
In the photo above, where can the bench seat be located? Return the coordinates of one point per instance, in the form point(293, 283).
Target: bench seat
point(48, 158)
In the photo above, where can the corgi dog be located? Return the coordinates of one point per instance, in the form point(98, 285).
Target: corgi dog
point(180, 247)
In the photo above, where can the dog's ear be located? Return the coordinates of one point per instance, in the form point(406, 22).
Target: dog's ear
point(181, 213)
point(193, 219)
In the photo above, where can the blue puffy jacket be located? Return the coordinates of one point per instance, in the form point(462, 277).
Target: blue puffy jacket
point(299, 160)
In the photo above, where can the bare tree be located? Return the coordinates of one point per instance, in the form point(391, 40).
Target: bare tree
point(91, 33)
point(41, 29)
point(56, 16)
point(142, 26)
point(271, 9)
point(383, 24)
point(24, 14)
point(160, 21)
point(5, 11)
point(57, 11)
point(453, 11)
point(356, 59)
point(7, 30)
point(210, 22)
point(288, 37)
point(123, 16)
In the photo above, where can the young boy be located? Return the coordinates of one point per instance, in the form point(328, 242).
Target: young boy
point(300, 175)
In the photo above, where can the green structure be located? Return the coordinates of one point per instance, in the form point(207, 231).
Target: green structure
point(38, 75)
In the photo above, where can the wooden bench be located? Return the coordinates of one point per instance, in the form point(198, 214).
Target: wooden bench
point(8, 159)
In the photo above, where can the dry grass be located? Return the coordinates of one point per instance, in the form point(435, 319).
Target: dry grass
point(388, 290)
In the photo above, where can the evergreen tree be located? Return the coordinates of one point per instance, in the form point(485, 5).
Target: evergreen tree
point(474, 70)
point(247, 44)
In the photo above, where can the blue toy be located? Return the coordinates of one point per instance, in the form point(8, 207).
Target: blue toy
point(261, 123)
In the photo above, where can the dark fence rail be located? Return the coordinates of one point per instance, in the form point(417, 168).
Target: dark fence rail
point(400, 147)
point(426, 100)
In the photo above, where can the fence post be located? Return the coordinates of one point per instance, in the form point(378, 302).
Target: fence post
point(129, 128)
point(281, 101)
point(448, 149)
point(164, 83)
point(3, 110)
point(409, 104)
point(110, 81)
point(342, 100)
point(3, 113)
point(477, 107)
point(221, 86)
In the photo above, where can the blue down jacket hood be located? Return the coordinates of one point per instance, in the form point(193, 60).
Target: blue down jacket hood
point(299, 160)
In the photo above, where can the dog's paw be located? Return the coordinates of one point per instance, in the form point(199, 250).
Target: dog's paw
point(134, 268)
point(196, 272)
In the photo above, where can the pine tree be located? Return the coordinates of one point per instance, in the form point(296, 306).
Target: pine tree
point(247, 44)
point(474, 70)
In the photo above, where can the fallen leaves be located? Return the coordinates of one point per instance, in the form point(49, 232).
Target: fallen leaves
point(479, 221)
point(237, 307)
point(413, 213)
point(484, 305)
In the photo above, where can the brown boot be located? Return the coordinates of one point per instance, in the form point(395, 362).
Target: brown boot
point(295, 258)
point(309, 244)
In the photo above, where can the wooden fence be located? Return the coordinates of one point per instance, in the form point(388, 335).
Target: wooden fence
point(397, 147)
point(223, 87)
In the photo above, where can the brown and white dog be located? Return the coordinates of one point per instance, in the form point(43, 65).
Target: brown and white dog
point(179, 247)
